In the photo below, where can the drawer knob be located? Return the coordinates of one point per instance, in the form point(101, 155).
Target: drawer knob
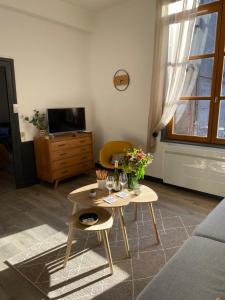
point(64, 172)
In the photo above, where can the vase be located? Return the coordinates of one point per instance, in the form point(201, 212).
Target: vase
point(101, 184)
point(132, 181)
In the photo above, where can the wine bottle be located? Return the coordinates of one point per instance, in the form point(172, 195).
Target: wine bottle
point(116, 177)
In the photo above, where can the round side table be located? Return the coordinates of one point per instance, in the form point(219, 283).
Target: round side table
point(148, 196)
point(104, 223)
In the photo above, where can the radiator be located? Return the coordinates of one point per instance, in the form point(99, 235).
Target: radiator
point(197, 168)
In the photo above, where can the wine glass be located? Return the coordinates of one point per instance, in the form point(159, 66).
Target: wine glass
point(110, 183)
point(123, 179)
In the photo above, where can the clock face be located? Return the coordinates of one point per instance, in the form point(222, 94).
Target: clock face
point(121, 80)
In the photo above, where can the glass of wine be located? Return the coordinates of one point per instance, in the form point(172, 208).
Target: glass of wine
point(123, 179)
point(110, 183)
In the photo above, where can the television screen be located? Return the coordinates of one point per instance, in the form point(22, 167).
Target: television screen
point(61, 120)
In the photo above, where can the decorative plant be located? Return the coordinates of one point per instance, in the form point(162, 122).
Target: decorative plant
point(135, 161)
point(38, 120)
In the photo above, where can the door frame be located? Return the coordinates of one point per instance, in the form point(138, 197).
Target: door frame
point(8, 64)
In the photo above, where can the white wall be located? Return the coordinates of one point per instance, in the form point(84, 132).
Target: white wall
point(51, 63)
point(55, 11)
point(123, 39)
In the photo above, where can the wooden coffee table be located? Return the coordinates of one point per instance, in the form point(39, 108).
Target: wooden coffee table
point(81, 196)
point(147, 195)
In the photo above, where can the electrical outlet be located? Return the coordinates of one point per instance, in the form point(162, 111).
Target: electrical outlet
point(22, 136)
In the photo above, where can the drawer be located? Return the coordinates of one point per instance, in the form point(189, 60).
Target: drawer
point(64, 145)
point(69, 153)
point(72, 161)
point(70, 171)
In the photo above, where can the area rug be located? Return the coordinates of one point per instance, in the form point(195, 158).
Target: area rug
point(87, 275)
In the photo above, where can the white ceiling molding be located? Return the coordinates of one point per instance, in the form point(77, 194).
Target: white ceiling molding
point(55, 11)
point(95, 5)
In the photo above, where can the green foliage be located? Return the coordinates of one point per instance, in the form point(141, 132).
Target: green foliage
point(38, 120)
point(135, 162)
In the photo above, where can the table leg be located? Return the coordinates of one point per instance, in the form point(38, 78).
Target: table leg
point(74, 208)
point(113, 216)
point(136, 211)
point(69, 244)
point(107, 249)
point(99, 237)
point(151, 212)
point(123, 230)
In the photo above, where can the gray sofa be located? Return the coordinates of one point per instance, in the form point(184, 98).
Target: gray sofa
point(197, 270)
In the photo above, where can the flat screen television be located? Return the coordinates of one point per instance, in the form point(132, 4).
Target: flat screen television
point(63, 120)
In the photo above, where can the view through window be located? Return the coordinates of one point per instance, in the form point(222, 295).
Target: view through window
point(200, 116)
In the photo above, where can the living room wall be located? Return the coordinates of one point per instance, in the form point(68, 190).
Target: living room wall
point(51, 63)
point(123, 39)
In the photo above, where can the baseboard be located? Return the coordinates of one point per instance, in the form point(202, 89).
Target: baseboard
point(154, 179)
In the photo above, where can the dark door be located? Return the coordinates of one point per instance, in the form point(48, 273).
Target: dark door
point(23, 153)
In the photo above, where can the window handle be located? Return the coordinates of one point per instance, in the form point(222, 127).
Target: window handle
point(216, 99)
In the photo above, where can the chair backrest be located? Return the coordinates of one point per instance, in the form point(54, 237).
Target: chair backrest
point(113, 147)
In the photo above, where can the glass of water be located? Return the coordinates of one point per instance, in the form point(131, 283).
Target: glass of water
point(110, 183)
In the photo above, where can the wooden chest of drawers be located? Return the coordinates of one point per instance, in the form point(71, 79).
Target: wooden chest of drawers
point(63, 157)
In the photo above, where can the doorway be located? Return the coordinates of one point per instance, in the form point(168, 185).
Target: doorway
point(11, 173)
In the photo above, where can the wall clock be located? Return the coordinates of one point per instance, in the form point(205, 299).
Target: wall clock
point(121, 80)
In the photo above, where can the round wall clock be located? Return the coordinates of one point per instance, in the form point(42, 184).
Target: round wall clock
point(121, 80)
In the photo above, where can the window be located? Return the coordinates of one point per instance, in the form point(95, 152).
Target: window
point(200, 116)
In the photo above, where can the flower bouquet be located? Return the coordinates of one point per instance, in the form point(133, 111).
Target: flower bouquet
point(134, 164)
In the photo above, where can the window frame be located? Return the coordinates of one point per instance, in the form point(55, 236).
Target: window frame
point(217, 75)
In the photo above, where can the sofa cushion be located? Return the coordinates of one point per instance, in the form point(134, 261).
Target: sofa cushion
point(196, 272)
point(213, 226)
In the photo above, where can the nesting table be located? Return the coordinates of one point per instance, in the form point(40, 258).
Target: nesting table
point(81, 197)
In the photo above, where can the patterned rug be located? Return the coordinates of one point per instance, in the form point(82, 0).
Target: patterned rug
point(87, 275)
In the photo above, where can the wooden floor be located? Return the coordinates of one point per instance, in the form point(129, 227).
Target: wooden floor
point(33, 214)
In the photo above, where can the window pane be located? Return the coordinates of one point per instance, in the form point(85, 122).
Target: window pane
point(221, 122)
point(223, 81)
point(198, 79)
point(207, 1)
point(191, 118)
point(204, 34)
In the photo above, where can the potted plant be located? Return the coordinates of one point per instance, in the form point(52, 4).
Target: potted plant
point(134, 164)
point(38, 120)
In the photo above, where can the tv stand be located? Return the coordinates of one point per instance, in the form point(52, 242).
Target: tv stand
point(63, 156)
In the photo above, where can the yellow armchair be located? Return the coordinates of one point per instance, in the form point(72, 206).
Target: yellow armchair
point(111, 148)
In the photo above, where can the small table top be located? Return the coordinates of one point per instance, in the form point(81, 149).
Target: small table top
point(81, 195)
point(105, 219)
point(146, 195)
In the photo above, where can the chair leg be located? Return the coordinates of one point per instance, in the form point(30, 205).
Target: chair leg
point(69, 244)
point(107, 249)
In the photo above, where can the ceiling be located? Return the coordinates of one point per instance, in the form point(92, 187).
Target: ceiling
point(95, 5)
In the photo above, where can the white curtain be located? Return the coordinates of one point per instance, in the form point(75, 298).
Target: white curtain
point(174, 31)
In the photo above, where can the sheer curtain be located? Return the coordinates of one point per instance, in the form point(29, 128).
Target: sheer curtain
point(175, 23)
